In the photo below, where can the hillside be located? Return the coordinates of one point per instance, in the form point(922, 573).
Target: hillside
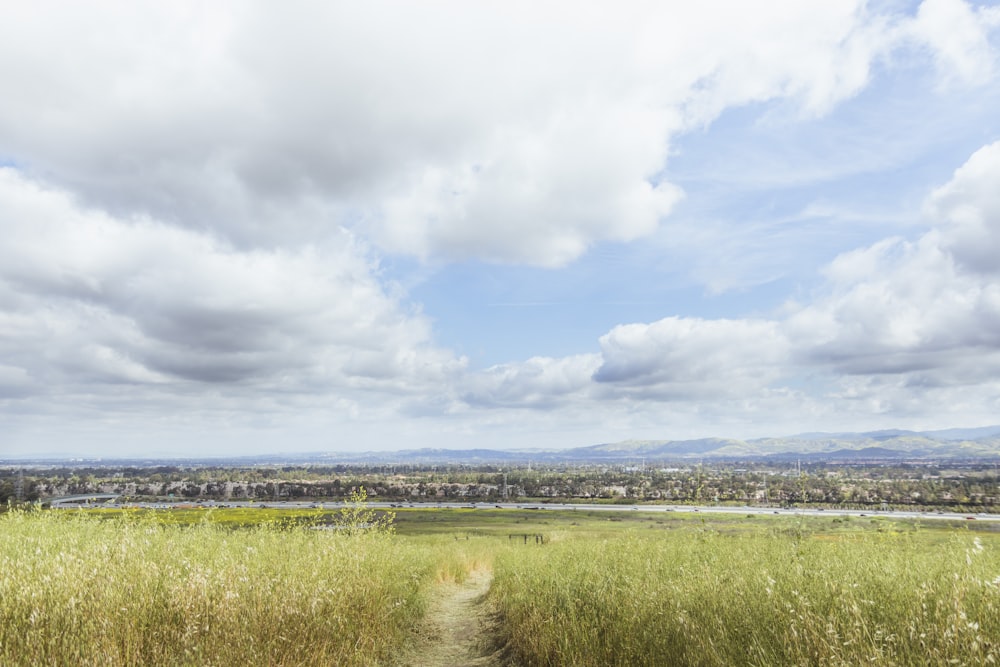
point(981, 443)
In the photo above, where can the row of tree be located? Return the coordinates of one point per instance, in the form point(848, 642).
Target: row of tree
point(898, 486)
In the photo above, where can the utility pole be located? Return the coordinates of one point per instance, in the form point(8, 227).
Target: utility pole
point(19, 486)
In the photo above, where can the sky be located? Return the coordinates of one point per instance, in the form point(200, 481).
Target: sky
point(256, 228)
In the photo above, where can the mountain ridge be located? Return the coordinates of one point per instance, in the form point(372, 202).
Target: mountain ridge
point(981, 443)
point(972, 443)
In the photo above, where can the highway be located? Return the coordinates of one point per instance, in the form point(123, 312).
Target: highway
point(588, 507)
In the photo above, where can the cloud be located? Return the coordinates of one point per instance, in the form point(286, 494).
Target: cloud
point(900, 330)
point(90, 297)
point(968, 208)
point(928, 306)
point(688, 358)
point(512, 132)
point(671, 360)
point(957, 36)
point(14, 382)
point(195, 199)
point(538, 383)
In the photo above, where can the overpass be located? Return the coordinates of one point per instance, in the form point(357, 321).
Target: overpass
point(85, 499)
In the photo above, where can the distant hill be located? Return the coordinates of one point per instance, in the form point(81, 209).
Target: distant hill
point(958, 443)
point(972, 443)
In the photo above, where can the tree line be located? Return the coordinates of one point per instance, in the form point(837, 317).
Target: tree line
point(920, 485)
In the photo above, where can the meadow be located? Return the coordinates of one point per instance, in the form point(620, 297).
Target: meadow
point(77, 590)
point(227, 587)
point(774, 597)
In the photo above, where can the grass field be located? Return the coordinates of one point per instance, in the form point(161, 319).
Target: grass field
point(78, 591)
point(234, 586)
point(778, 596)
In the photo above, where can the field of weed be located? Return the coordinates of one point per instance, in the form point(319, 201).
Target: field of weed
point(236, 586)
point(80, 591)
point(778, 596)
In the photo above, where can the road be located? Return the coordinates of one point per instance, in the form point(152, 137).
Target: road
point(548, 507)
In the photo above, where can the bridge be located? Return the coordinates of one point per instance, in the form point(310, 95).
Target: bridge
point(86, 499)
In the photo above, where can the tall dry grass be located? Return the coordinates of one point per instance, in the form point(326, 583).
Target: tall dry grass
point(79, 591)
point(691, 597)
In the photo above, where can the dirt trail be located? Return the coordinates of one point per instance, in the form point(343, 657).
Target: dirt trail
point(456, 628)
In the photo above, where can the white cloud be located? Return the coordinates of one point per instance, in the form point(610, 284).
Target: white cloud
point(906, 309)
point(89, 297)
point(194, 195)
point(968, 208)
point(958, 38)
point(927, 309)
point(505, 132)
point(539, 382)
point(539, 195)
point(901, 330)
point(688, 358)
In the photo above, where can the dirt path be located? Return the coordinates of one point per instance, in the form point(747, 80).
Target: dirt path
point(456, 628)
